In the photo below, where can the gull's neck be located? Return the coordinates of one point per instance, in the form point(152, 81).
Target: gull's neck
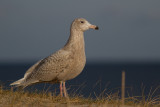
point(75, 41)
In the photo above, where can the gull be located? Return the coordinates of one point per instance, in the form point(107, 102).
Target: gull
point(65, 64)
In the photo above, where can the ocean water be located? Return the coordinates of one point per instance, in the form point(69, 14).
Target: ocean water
point(95, 78)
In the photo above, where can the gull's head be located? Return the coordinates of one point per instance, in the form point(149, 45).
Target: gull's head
point(82, 24)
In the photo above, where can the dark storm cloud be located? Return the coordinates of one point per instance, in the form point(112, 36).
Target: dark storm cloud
point(129, 30)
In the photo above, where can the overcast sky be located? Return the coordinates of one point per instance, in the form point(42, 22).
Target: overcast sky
point(33, 29)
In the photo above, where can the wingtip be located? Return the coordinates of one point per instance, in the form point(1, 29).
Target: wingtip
point(18, 82)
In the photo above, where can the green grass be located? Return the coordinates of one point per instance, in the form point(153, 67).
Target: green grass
point(17, 98)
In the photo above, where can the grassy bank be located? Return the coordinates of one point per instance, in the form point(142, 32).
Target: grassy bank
point(17, 98)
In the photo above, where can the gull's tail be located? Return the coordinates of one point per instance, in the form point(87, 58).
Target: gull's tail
point(18, 82)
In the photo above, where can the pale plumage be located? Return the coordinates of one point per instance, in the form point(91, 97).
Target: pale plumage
point(63, 65)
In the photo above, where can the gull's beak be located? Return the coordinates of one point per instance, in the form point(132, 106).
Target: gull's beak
point(94, 27)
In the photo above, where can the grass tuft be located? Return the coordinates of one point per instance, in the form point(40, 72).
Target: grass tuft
point(19, 98)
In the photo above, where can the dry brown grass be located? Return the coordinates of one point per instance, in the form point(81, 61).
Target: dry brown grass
point(10, 98)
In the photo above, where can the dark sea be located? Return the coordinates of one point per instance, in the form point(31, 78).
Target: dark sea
point(96, 78)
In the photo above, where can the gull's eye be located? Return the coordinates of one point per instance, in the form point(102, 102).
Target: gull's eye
point(82, 21)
